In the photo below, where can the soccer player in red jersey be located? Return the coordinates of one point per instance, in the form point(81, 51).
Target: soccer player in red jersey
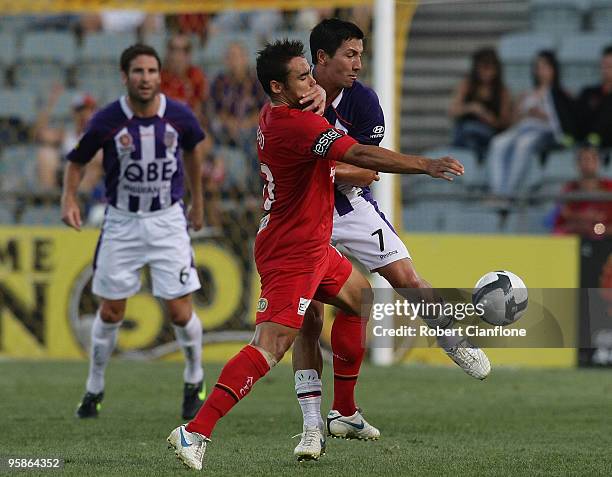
point(297, 151)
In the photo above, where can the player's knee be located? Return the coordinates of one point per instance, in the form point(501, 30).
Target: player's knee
point(179, 316)
point(111, 312)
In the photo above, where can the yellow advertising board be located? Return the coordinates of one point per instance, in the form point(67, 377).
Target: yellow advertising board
point(47, 306)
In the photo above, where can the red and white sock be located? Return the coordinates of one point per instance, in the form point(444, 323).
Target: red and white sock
point(235, 382)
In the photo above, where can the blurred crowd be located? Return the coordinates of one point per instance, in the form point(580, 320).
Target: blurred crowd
point(507, 133)
point(222, 91)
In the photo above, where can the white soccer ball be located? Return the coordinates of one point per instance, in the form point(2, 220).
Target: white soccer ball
point(503, 297)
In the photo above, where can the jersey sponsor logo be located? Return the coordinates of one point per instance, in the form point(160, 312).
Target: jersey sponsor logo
point(325, 141)
point(378, 131)
point(262, 305)
point(302, 306)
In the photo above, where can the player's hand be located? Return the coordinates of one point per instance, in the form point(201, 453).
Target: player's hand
point(71, 214)
point(195, 216)
point(316, 97)
point(444, 168)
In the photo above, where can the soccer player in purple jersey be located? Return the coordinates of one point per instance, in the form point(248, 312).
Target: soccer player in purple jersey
point(361, 228)
point(143, 136)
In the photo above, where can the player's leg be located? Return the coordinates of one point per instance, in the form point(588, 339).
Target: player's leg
point(308, 367)
point(402, 276)
point(348, 344)
point(174, 278)
point(117, 263)
point(239, 375)
point(188, 331)
point(103, 340)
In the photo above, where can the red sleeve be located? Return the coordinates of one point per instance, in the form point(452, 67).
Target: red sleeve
point(322, 141)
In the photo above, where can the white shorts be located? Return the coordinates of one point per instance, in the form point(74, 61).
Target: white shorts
point(128, 242)
point(367, 236)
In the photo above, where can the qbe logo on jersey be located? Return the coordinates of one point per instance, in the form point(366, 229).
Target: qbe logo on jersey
point(325, 141)
point(302, 306)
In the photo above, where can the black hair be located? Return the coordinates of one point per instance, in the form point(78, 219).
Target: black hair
point(607, 51)
point(273, 61)
point(136, 50)
point(549, 57)
point(486, 56)
point(329, 34)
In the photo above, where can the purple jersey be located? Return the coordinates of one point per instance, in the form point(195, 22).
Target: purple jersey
point(142, 156)
point(356, 111)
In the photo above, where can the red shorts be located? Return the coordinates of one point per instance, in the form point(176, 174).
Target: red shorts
point(286, 294)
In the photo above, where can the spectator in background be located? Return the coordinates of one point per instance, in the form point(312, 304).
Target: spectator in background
point(595, 107)
point(181, 80)
point(56, 142)
point(196, 24)
point(235, 99)
point(544, 118)
point(588, 218)
point(122, 21)
point(481, 105)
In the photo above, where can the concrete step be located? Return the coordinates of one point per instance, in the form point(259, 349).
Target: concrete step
point(419, 104)
point(473, 28)
point(416, 142)
point(422, 122)
point(453, 66)
point(425, 45)
point(470, 9)
point(423, 84)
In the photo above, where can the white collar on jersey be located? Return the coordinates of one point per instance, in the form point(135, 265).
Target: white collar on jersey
point(130, 114)
point(336, 101)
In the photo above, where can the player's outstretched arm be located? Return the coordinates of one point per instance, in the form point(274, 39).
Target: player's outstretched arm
point(193, 167)
point(381, 159)
point(71, 213)
point(349, 174)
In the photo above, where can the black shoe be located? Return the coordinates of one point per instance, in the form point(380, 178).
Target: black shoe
point(90, 405)
point(193, 398)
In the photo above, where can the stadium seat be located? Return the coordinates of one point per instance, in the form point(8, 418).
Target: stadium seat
point(531, 220)
point(579, 56)
point(517, 51)
point(474, 173)
point(105, 47)
point(43, 59)
point(560, 166)
point(18, 104)
point(8, 52)
point(425, 216)
point(560, 17)
point(601, 15)
point(472, 219)
point(42, 215)
point(236, 167)
point(158, 41)
point(18, 168)
point(7, 213)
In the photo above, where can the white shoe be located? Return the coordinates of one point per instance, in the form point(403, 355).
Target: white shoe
point(471, 359)
point(189, 447)
point(311, 446)
point(351, 427)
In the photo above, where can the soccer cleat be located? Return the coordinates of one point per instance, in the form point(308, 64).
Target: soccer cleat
point(311, 446)
point(189, 447)
point(193, 398)
point(471, 359)
point(90, 405)
point(350, 427)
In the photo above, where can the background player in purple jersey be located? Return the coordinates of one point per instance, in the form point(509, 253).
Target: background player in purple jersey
point(362, 229)
point(142, 135)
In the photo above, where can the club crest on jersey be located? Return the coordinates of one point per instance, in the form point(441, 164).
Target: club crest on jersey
point(262, 305)
point(125, 144)
point(169, 138)
point(325, 141)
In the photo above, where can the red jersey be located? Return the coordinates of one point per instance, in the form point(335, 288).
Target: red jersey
point(297, 152)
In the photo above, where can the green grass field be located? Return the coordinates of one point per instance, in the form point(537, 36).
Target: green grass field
point(434, 421)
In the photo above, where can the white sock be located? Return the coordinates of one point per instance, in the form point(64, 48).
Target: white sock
point(189, 338)
point(103, 341)
point(308, 390)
